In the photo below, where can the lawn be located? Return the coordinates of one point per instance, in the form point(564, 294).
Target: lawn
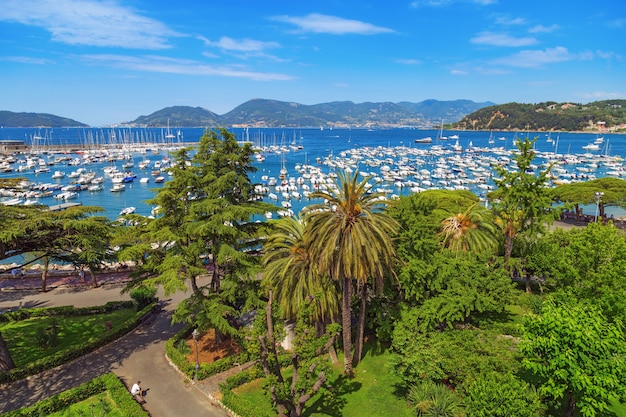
point(369, 394)
point(103, 396)
point(21, 336)
point(98, 405)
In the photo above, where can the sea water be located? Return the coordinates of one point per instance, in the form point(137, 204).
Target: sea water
point(329, 150)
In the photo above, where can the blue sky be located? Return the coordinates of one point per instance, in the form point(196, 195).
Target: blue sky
point(104, 62)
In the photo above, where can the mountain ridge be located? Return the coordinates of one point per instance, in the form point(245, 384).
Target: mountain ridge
point(259, 112)
point(25, 119)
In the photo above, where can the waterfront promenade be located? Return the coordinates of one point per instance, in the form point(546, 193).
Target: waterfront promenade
point(138, 355)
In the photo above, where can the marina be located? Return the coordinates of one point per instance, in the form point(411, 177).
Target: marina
point(126, 171)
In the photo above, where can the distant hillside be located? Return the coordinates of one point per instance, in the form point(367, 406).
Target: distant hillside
point(273, 113)
point(11, 119)
point(449, 111)
point(183, 116)
point(609, 114)
point(261, 112)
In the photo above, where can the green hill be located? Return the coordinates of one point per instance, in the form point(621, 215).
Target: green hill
point(609, 114)
point(11, 119)
point(273, 113)
point(183, 116)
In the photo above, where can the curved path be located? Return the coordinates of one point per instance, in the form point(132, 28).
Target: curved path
point(138, 355)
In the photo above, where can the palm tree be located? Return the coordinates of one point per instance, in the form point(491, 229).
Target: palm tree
point(511, 224)
point(349, 236)
point(434, 400)
point(471, 231)
point(292, 275)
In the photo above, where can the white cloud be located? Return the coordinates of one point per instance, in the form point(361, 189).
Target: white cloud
point(244, 45)
point(501, 39)
point(458, 72)
point(617, 23)
point(602, 95)
point(438, 3)
point(511, 21)
point(27, 60)
point(89, 22)
point(151, 63)
point(244, 48)
point(608, 55)
point(543, 29)
point(536, 58)
point(319, 23)
point(407, 61)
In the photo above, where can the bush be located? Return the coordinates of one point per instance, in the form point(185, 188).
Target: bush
point(206, 370)
point(110, 382)
point(235, 403)
point(183, 347)
point(143, 296)
point(501, 395)
point(49, 337)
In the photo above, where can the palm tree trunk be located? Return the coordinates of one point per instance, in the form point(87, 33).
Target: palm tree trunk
point(508, 249)
point(94, 282)
point(346, 325)
point(44, 274)
point(358, 346)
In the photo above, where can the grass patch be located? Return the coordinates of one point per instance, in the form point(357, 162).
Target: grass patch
point(98, 405)
point(21, 336)
point(371, 393)
point(103, 396)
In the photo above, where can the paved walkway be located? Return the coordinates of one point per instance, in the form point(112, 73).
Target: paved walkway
point(140, 355)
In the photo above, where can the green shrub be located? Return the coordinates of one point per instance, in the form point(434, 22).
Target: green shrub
point(501, 395)
point(108, 382)
point(143, 296)
point(48, 337)
point(183, 347)
point(240, 405)
point(206, 370)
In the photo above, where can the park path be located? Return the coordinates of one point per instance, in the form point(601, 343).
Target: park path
point(139, 355)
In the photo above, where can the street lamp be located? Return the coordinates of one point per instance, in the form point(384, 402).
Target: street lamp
point(195, 335)
point(599, 196)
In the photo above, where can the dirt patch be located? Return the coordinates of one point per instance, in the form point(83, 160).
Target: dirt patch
point(209, 350)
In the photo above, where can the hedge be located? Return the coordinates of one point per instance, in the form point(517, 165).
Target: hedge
point(109, 381)
point(80, 350)
point(63, 311)
point(237, 404)
point(206, 369)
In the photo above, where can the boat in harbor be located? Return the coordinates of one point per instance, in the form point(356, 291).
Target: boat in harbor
point(440, 135)
point(395, 167)
point(592, 147)
point(427, 139)
point(127, 210)
point(117, 187)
